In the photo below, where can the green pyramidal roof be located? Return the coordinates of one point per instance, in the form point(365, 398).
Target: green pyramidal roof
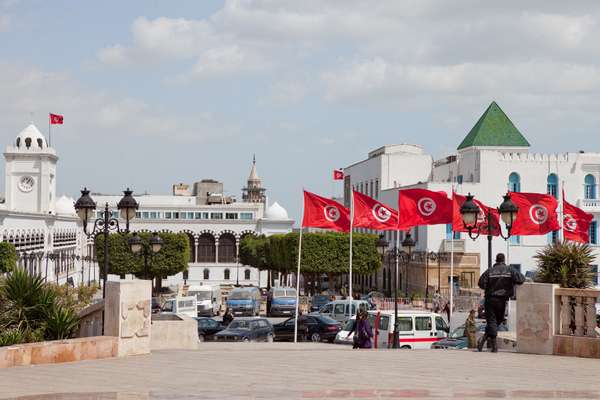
point(494, 129)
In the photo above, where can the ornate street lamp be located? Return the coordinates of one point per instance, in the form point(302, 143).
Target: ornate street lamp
point(138, 246)
point(407, 244)
point(85, 207)
point(475, 224)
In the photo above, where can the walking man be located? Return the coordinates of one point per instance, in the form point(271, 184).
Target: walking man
point(498, 283)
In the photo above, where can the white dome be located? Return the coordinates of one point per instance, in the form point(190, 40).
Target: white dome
point(276, 212)
point(65, 206)
point(31, 138)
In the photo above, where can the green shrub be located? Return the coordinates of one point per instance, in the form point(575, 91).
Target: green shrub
point(568, 264)
point(61, 323)
point(12, 336)
point(8, 257)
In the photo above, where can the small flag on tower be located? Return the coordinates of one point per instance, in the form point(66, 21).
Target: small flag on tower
point(338, 175)
point(56, 119)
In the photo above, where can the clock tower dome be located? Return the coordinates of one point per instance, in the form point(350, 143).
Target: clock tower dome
point(30, 173)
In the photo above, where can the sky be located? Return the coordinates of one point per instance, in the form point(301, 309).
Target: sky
point(161, 92)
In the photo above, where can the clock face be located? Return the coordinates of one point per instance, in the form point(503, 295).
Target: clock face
point(26, 183)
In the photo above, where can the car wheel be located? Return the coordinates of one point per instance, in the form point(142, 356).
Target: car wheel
point(405, 347)
point(315, 337)
point(269, 338)
point(245, 340)
point(201, 338)
point(330, 340)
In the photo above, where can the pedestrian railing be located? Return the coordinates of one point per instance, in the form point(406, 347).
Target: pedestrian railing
point(576, 309)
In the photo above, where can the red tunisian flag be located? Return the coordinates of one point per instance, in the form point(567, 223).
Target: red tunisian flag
point(338, 175)
point(423, 207)
point(482, 223)
point(321, 212)
point(537, 214)
point(56, 119)
point(576, 223)
point(369, 213)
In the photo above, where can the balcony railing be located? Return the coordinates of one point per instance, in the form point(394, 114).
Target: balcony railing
point(589, 204)
point(576, 311)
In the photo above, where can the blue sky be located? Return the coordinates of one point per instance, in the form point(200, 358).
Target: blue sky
point(156, 93)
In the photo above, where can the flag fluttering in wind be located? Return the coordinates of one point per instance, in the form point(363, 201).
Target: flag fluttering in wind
point(576, 223)
point(482, 218)
point(338, 175)
point(56, 119)
point(537, 214)
point(370, 213)
point(321, 212)
point(423, 207)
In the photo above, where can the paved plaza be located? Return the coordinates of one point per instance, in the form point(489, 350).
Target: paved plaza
point(307, 370)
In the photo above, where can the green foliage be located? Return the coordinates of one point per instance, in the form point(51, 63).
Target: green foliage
point(61, 323)
point(321, 252)
point(31, 310)
point(77, 297)
point(8, 257)
point(568, 264)
point(170, 260)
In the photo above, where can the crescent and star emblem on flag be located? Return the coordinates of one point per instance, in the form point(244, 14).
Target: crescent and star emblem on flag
point(570, 223)
point(332, 213)
point(538, 214)
point(381, 213)
point(426, 206)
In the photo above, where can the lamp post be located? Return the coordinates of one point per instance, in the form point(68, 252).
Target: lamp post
point(475, 221)
point(237, 272)
point(431, 256)
point(382, 245)
point(85, 207)
point(138, 246)
point(407, 244)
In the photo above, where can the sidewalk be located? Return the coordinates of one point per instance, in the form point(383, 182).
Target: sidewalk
point(288, 371)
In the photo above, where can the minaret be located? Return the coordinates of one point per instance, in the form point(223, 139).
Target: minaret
point(254, 192)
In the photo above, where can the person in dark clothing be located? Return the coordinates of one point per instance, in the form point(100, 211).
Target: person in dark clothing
point(227, 317)
point(498, 283)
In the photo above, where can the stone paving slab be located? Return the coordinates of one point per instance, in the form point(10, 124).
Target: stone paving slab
point(308, 371)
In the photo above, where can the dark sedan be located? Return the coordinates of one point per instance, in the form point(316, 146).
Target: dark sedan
point(207, 327)
point(246, 330)
point(315, 328)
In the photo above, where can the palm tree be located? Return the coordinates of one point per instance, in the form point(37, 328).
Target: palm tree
point(567, 263)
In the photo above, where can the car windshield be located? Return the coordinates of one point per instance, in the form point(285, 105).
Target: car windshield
point(201, 295)
point(240, 295)
point(350, 325)
point(278, 293)
point(458, 332)
point(239, 325)
point(290, 293)
point(326, 320)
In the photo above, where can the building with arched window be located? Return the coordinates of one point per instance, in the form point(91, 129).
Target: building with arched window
point(44, 228)
point(214, 223)
point(494, 157)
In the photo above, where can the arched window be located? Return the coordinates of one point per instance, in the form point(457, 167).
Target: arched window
point(18, 142)
point(206, 274)
point(206, 248)
point(247, 274)
point(227, 248)
point(227, 275)
point(590, 187)
point(192, 252)
point(552, 187)
point(514, 182)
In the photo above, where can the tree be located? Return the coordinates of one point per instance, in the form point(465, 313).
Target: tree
point(170, 260)
point(8, 257)
point(568, 264)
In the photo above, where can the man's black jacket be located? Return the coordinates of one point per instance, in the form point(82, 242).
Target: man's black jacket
point(499, 280)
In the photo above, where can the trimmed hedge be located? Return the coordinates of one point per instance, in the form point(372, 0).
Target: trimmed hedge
point(8, 257)
point(326, 252)
point(170, 260)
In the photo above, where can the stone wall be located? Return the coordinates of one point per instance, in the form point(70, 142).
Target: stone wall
point(170, 331)
point(536, 311)
point(58, 351)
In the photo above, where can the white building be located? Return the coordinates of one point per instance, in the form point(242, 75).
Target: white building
point(494, 157)
point(214, 223)
point(45, 230)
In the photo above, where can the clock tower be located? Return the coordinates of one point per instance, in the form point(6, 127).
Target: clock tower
point(30, 173)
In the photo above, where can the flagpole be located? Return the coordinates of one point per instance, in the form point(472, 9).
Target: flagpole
point(49, 132)
point(350, 253)
point(561, 212)
point(298, 276)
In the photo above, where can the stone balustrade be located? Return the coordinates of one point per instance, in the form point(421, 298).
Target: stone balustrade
point(576, 311)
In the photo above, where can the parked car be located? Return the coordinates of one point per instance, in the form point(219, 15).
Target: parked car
point(246, 330)
point(207, 327)
point(315, 328)
point(181, 305)
point(318, 301)
point(417, 329)
point(208, 299)
point(340, 311)
point(244, 301)
point(282, 301)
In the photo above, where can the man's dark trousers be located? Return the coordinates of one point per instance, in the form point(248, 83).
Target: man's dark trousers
point(494, 314)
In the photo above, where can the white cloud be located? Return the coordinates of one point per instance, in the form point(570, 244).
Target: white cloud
point(5, 22)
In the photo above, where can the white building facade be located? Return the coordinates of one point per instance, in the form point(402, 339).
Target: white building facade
point(45, 230)
point(214, 225)
point(494, 157)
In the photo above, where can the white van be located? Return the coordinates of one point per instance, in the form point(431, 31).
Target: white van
point(340, 309)
point(416, 329)
point(181, 305)
point(208, 299)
